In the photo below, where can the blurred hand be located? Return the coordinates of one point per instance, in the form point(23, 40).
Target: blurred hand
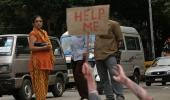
point(86, 70)
point(48, 47)
point(120, 75)
point(120, 44)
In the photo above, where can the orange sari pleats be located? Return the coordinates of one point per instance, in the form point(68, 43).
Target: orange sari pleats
point(40, 83)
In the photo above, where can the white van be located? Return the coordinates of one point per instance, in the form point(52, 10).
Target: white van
point(132, 54)
point(14, 74)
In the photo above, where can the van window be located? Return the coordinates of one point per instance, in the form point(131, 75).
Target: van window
point(56, 47)
point(132, 43)
point(22, 46)
point(6, 43)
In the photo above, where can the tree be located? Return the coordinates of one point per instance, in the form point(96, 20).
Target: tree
point(15, 16)
point(18, 13)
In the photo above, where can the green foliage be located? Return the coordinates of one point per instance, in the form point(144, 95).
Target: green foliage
point(16, 14)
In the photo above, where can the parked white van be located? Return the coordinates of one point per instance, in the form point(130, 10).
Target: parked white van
point(14, 74)
point(132, 54)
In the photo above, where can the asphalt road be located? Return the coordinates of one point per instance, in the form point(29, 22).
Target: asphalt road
point(158, 91)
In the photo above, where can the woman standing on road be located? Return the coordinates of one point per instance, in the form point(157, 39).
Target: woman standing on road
point(41, 61)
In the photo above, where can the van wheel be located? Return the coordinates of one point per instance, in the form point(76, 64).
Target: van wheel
point(25, 92)
point(148, 83)
point(58, 88)
point(136, 77)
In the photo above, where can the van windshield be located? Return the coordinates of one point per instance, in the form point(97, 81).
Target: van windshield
point(6, 43)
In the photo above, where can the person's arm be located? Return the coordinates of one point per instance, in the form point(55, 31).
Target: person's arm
point(117, 31)
point(136, 89)
point(32, 40)
point(86, 70)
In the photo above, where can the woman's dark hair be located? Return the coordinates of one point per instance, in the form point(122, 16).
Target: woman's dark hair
point(34, 17)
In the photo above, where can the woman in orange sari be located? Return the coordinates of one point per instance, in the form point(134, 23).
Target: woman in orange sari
point(41, 61)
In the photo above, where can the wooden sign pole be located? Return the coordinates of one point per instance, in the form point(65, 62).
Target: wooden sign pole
point(87, 44)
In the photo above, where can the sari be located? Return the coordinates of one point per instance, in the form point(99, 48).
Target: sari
point(41, 63)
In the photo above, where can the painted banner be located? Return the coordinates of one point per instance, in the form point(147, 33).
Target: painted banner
point(85, 20)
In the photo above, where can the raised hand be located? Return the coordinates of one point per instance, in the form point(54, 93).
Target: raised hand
point(120, 75)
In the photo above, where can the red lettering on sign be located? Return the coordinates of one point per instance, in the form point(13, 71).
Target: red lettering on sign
point(101, 12)
point(90, 26)
point(89, 14)
point(95, 26)
point(93, 15)
point(78, 16)
point(86, 15)
point(87, 26)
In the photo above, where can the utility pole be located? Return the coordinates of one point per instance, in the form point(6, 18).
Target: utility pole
point(151, 28)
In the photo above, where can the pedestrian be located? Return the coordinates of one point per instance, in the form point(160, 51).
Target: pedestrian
point(106, 46)
point(166, 48)
point(136, 89)
point(41, 60)
point(79, 50)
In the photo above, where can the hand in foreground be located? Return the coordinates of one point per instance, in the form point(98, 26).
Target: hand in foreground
point(86, 70)
point(120, 75)
point(136, 89)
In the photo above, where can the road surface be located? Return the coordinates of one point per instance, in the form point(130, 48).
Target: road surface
point(158, 91)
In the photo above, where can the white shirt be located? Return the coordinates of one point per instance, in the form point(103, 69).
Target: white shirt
point(78, 47)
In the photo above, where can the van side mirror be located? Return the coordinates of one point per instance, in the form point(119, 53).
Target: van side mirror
point(57, 52)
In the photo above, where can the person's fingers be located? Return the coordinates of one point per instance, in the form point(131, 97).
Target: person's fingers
point(116, 72)
point(115, 78)
point(84, 70)
point(120, 69)
point(118, 66)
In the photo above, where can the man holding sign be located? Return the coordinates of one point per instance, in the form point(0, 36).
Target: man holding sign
point(105, 48)
point(86, 20)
